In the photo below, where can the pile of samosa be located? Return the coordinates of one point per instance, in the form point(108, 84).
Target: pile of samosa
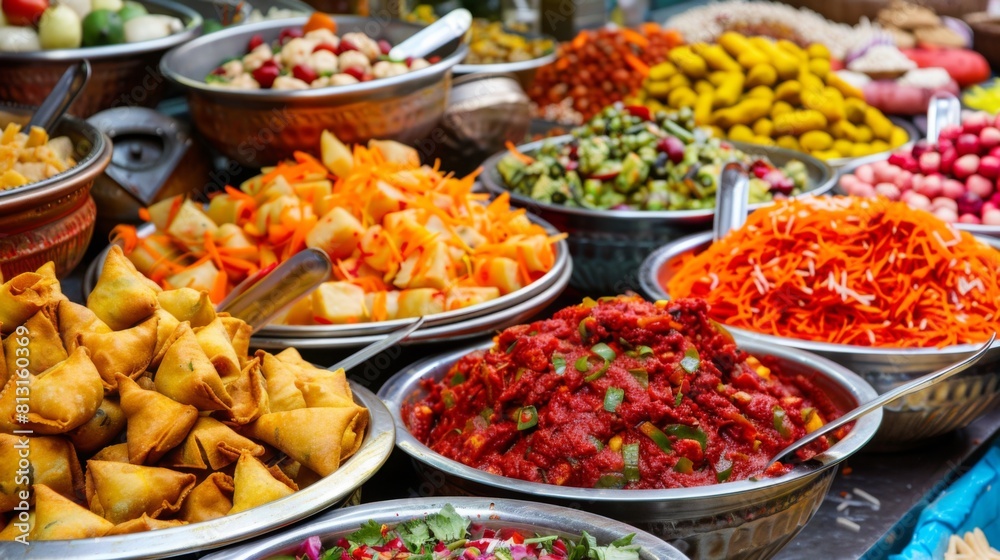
point(146, 411)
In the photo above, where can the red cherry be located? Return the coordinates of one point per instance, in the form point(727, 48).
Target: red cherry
point(434, 59)
point(287, 35)
point(255, 42)
point(384, 46)
point(266, 74)
point(346, 46)
point(304, 73)
point(325, 47)
point(355, 71)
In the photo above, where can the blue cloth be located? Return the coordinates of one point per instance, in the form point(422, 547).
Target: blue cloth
point(971, 501)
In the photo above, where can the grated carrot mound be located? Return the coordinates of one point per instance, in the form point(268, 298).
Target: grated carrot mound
point(849, 271)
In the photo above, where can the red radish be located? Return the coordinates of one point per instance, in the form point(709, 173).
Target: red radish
point(288, 34)
point(384, 46)
point(863, 190)
point(355, 71)
point(904, 160)
point(995, 199)
point(674, 148)
point(969, 203)
point(847, 183)
point(965, 166)
point(345, 46)
point(325, 47)
point(946, 214)
point(255, 42)
point(952, 189)
point(967, 144)
point(950, 132)
point(930, 162)
point(266, 74)
point(919, 147)
point(304, 73)
point(989, 207)
point(995, 152)
point(968, 219)
point(944, 202)
point(865, 174)
point(989, 167)
point(975, 123)
point(945, 144)
point(991, 218)
point(888, 190)
point(989, 138)
point(930, 186)
point(980, 186)
point(904, 180)
point(948, 158)
point(917, 200)
point(885, 172)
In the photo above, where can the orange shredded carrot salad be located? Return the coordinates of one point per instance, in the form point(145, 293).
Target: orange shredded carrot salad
point(411, 239)
point(849, 271)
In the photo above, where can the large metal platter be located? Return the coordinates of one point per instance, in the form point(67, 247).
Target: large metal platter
point(469, 328)
point(821, 179)
point(328, 491)
point(326, 335)
point(728, 520)
point(492, 513)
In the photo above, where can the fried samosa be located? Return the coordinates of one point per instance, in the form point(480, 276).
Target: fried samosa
point(57, 518)
point(188, 376)
point(143, 524)
point(64, 396)
point(249, 393)
point(295, 433)
point(120, 492)
point(255, 485)
point(23, 295)
point(122, 297)
point(117, 453)
point(45, 346)
point(210, 499)
point(214, 340)
point(322, 388)
point(210, 444)
point(239, 335)
point(76, 319)
point(53, 463)
point(156, 424)
point(188, 305)
point(127, 352)
point(282, 394)
point(166, 332)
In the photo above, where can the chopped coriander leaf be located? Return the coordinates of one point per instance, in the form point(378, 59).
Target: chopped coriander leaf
point(369, 533)
point(558, 364)
point(447, 525)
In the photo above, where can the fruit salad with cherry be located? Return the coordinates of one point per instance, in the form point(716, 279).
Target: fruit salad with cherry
point(312, 56)
point(628, 158)
point(957, 178)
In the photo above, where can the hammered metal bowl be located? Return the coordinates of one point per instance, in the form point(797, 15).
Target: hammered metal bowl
point(544, 519)
point(263, 127)
point(187, 541)
point(946, 406)
point(123, 75)
point(609, 245)
point(522, 70)
point(53, 219)
point(734, 520)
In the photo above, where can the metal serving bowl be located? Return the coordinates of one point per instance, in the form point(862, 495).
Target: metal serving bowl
point(123, 75)
point(52, 219)
point(946, 406)
point(495, 514)
point(186, 539)
point(975, 229)
point(523, 70)
point(609, 245)
point(734, 520)
point(262, 127)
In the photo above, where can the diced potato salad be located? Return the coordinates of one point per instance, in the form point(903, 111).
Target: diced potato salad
point(405, 239)
point(32, 157)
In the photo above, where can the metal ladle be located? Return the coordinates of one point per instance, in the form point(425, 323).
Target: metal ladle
point(451, 26)
point(62, 96)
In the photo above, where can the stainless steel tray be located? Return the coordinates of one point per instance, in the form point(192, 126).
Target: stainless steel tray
point(328, 491)
point(492, 513)
point(326, 336)
point(743, 519)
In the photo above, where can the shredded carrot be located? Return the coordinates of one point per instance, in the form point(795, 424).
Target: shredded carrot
point(580, 40)
point(516, 153)
point(849, 271)
point(635, 38)
point(637, 64)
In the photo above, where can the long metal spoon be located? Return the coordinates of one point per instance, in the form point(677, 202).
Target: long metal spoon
point(943, 110)
point(62, 96)
point(879, 402)
point(375, 348)
point(451, 26)
point(732, 199)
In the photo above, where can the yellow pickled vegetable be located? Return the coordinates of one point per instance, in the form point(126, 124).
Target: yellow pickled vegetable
point(809, 80)
point(763, 127)
point(762, 92)
point(880, 124)
point(688, 62)
point(763, 140)
point(703, 108)
point(741, 133)
point(728, 92)
point(818, 50)
point(827, 154)
point(799, 122)
point(855, 109)
point(843, 147)
point(679, 80)
point(658, 89)
point(716, 57)
point(716, 131)
point(827, 101)
point(662, 71)
point(816, 140)
point(792, 49)
point(899, 137)
point(702, 87)
point(864, 134)
point(682, 97)
point(786, 65)
point(880, 146)
point(845, 89)
point(762, 75)
point(820, 67)
point(843, 129)
point(735, 44)
point(789, 92)
point(788, 142)
point(862, 149)
point(749, 59)
point(780, 108)
point(744, 112)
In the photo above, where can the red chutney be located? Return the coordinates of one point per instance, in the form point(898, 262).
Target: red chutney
point(619, 393)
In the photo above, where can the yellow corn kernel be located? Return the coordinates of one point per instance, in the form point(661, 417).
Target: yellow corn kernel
point(615, 443)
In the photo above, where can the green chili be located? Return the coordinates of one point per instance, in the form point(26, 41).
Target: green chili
point(582, 364)
point(613, 398)
point(680, 431)
point(604, 351)
point(641, 376)
point(684, 466)
point(558, 364)
point(691, 360)
point(630, 453)
point(527, 417)
point(780, 422)
point(659, 438)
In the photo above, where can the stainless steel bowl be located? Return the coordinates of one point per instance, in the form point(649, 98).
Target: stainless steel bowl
point(494, 514)
point(326, 492)
point(734, 520)
point(609, 245)
point(975, 229)
point(262, 127)
point(123, 75)
point(52, 219)
point(946, 406)
point(523, 70)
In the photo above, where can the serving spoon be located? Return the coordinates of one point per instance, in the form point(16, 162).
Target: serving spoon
point(62, 96)
point(451, 26)
point(787, 455)
point(943, 110)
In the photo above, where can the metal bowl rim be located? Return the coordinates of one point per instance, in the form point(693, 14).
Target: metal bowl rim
point(325, 94)
point(100, 153)
point(400, 386)
point(520, 65)
point(246, 524)
point(649, 280)
point(496, 188)
point(975, 229)
point(191, 28)
point(480, 510)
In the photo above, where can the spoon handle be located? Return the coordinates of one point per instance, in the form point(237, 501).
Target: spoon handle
point(732, 199)
point(883, 399)
point(944, 110)
point(62, 95)
point(451, 26)
point(374, 348)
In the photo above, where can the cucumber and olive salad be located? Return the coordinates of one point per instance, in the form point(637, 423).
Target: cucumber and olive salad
point(627, 158)
point(448, 535)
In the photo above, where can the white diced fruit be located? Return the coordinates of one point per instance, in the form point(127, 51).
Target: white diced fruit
point(500, 272)
point(431, 270)
point(467, 296)
point(201, 277)
point(385, 200)
point(422, 301)
point(396, 152)
point(338, 233)
point(337, 157)
point(376, 248)
point(391, 303)
point(189, 224)
point(338, 303)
